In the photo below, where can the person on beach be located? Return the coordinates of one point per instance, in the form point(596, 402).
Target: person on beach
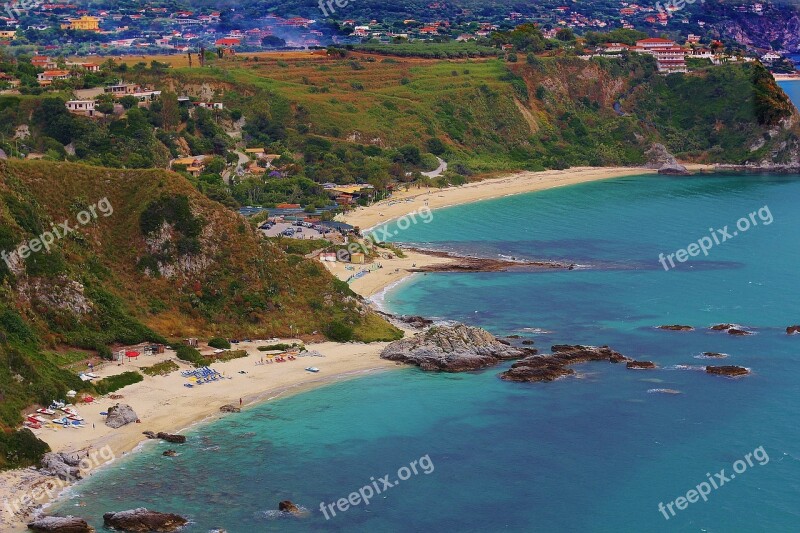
point(240, 402)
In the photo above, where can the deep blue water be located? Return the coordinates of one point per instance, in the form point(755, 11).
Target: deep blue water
point(595, 453)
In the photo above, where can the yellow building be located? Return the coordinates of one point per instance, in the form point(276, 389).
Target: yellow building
point(85, 23)
point(8, 34)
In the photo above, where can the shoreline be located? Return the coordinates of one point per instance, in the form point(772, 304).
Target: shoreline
point(164, 404)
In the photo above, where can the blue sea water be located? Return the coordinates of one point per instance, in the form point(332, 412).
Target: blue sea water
point(792, 89)
point(593, 453)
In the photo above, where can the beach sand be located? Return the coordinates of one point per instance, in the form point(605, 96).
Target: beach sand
point(404, 202)
point(164, 404)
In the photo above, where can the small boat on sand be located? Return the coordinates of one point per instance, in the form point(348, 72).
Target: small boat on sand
point(312, 369)
point(48, 412)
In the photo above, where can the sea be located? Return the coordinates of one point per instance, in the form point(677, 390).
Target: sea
point(608, 450)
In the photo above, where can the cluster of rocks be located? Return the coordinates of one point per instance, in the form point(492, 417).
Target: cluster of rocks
point(453, 349)
point(134, 521)
point(658, 157)
point(731, 329)
point(230, 408)
point(175, 439)
point(556, 365)
point(791, 330)
point(120, 415)
point(62, 465)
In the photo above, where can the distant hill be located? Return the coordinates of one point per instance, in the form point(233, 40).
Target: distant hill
point(538, 112)
point(165, 263)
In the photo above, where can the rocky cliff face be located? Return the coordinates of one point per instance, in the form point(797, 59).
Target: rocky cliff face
point(453, 349)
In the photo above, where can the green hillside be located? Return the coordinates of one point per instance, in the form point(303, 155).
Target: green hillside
point(166, 262)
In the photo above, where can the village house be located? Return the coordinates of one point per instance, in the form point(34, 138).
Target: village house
point(47, 77)
point(81, 107)
point(84, 23)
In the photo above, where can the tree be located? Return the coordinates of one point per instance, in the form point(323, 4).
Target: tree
point(273, 41)
point(565, 34)
point(129, 101)
point(170, 111)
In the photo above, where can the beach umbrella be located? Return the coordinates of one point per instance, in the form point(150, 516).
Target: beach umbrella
point(131, 354)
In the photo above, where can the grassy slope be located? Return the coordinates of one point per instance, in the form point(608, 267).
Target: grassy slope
point(88, 292)
point(499, 116)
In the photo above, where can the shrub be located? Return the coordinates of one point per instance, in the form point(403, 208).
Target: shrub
point(161, 369)
point(190, 355)
point(219, 343)
point(339, 332)
point(114, 383)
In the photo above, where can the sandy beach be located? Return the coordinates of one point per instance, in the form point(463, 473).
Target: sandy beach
point(163, 403)
point(405, 202)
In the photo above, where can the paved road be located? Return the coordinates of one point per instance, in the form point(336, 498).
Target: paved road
point(438, 171)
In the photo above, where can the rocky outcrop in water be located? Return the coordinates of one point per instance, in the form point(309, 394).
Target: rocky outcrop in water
point(739, 332)
point(170, 453)
point(729, 370)
point(120, 415)
point(792, 330)
point(287, 506)
point(60, 524)
point(640, 365)
point(453, 349)
point(175, 439)
point(715, 355)
point(142, 520)
point(556, 365)
point(677, 327)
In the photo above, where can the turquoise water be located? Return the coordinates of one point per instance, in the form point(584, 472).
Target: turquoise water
point(595, 453)
point(792, 88)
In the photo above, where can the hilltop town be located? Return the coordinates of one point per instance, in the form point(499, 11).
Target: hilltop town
point(758, 29)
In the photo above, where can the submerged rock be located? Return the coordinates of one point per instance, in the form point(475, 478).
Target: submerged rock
point(715, 355)
point(453, 349)
point(728, 370)
point(553, 366)
point(120, 415)
point(676, 327)
point(60, 524)
point(142, 520)
point(170, 453)
point(791, 330)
